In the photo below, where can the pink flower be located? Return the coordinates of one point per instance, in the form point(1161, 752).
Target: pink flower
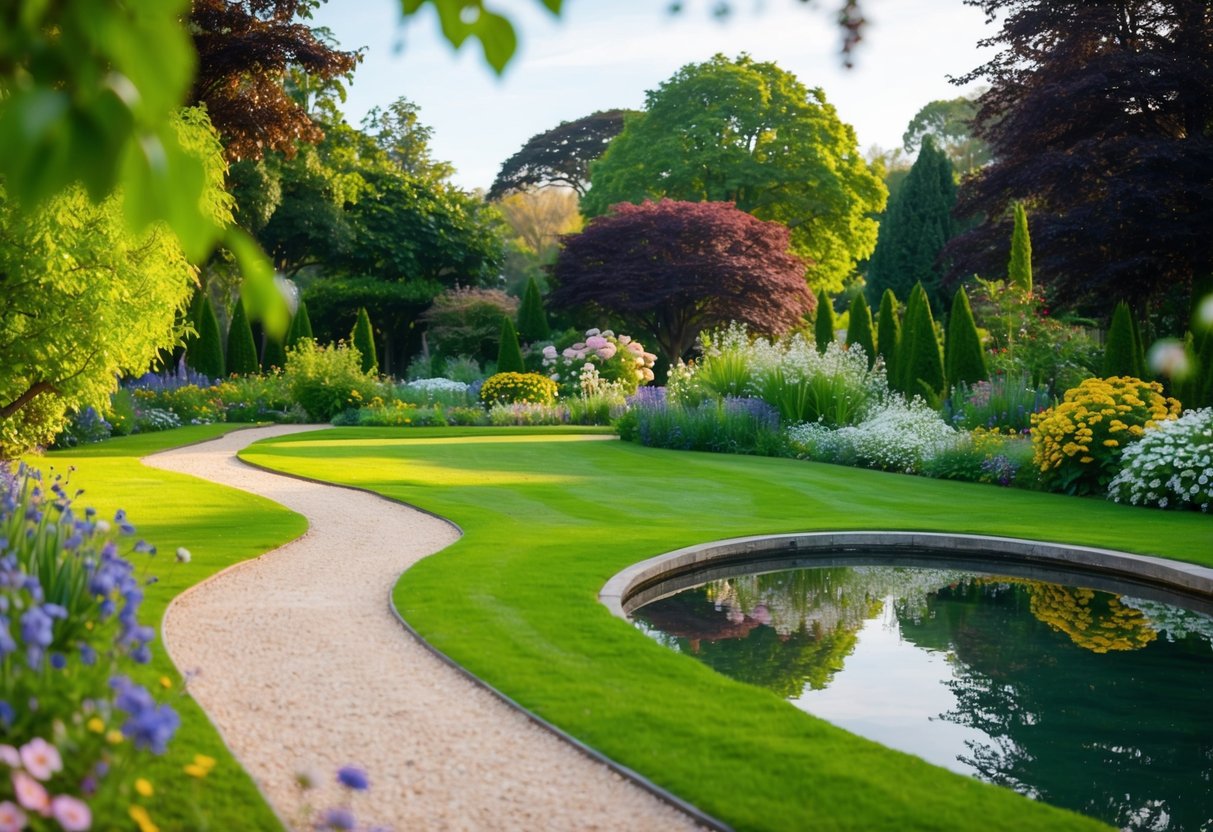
point(41, 759)
point(9, 756)
point(592, 331)
point(569, 353)
point(580, 345)
point(12, 819)
point(636, 347)
point(30, 794)
point(549, 351)
point(607, 353)
point(596, 342)
point(73, 815)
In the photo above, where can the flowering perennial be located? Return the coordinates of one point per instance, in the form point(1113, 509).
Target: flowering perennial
point(513, 388)
point(1171, 466)
point(602, 358)
point(897, 436)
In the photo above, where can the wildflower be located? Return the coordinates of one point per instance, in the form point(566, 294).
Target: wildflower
point(339, 818)
point(201, 766)
point(142, 819)
point(12, 819)
point(353, 778)
point(41, 759)
point(144, 787)
point(30, 794)
point(72, 814)
point(10, 756)
point(183, 555)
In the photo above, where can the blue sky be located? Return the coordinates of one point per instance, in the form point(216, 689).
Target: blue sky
point(602, 54)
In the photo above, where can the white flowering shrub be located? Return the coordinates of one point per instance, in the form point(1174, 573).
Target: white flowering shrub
point(896, 436)
point(1171, 466)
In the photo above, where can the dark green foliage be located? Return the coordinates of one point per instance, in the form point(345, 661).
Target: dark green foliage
point(1200, 387)
point(823, 328)
point(915, 228)
point(273, 354)
point(532, 320)
point(859, 328)
point(1019, 269)
point(1122, 356)
point(300, 328)
point(920, 365)
point(241, 349)
point(965, 361)
point(206, 353)
point(509, 354)
point(888, 332)
point(363, 339)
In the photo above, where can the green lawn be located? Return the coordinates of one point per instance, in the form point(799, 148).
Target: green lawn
point(548, 518)
point(220, 526)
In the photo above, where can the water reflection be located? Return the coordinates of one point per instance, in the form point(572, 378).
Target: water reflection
point(1084, 699)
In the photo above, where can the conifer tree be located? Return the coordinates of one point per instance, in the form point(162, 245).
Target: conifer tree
point(823, 328)
point(888, 332)
point(914, 229)
point(859, 327)
point(1019, 269)
point(1121, 356)
point(965, 361)
point(532, 320)
point(509, 353)
point(273, 354)
point(363, 339)
point(206, 353)
point(241, 349)
point(300, 328)
point(920, 365)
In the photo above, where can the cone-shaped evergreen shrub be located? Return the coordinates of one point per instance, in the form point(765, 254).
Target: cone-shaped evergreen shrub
point(888, 332)
point(920, 365)
point(509, 354)
point(363, 339)
point(206, 353)
point(859, 328)
point(273, 354)
point(300, 328)
point(824, 327)
point(241, 349)
point(1019, 269)
point(1120, 355)
point(965, 360)
point(532, 320)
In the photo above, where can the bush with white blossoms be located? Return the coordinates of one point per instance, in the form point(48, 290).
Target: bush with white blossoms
point(1171, 466)
point(896, 436)
point(603, 358)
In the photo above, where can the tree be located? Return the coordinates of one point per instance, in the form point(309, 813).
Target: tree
point(560, 156)
point(206, 353)
point(1100, 115)
point(750, 133)
point(1122, 352)
point(915, 229)
point(965, 360)
point(509, 352)
point(300, 328)
point(888, 332)
point(859, 327)
point(363, 339)
point(1019, 269)
point(468, 321)
point(823, 325)
point(83, 299)
point(919, 364)
point(539, 218)
point(273, 354)
point(672, 269)
point(949, 123)
point(532, 320)
point(395, 306)
point(241, 349)
point(399, 133)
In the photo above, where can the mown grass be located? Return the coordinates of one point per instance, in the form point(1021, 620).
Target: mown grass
point(220, 526)
point(548, 518)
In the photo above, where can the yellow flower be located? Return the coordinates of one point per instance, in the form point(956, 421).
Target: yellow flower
point(144, 787)
point(142, 819)
point(96, 725)
point(1111, 443)
point(1086, 459)
point(201, 766)
point(166, 682)
point(113, 737)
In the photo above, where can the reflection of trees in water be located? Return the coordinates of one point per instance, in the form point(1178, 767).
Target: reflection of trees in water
point(1126, 737)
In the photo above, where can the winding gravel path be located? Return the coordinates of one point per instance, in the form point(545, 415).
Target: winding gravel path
point(301, 665)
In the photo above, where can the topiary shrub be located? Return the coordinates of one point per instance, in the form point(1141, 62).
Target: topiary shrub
point(327, 380)
point(532, 320)
point(300, 328)
point(1077, 444)
point(512, 388)
point(919, 364)
point(241, 350)
point(205, 355)
point(888, 332)
point(363, 339)
point(823, 327)
point(965, 362)
point(509, 353)
point(859, 328)
point(1122, 355)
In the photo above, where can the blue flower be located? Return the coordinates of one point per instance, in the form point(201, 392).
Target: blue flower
point(150, 726)
point(339, 818)
point(353, 778)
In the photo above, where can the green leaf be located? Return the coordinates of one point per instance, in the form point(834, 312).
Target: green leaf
point(498, 39)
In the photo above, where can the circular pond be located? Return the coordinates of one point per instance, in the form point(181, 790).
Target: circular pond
point(1080, 692)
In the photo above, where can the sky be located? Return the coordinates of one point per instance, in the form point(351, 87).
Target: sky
point(605, 54)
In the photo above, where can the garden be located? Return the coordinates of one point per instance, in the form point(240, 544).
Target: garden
point(609, 356)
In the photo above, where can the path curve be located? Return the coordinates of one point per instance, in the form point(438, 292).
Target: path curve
point(299, 662)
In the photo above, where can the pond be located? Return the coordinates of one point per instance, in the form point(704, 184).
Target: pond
point(1094, 700)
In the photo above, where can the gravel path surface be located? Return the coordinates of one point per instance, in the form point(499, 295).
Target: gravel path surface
point(301, 665)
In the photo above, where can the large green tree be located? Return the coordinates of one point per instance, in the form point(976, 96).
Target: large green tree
point(748, 132)
point(915, 228)
point(949, 123)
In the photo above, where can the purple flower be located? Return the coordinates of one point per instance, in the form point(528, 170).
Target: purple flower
point(338, 818)
point(353, 778)
point(149, 726)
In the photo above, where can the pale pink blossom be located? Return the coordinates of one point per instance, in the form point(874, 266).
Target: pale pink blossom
point(30, 794)
point(569, 353)
point(73, 815)
point(40, 758)
point(624, 339)
point(634, 347)
point(12, 819)
point(596, 342)
point(10, 756)
point(549, 351)
point(579, 346)
point(607, 352)
point(593, 331)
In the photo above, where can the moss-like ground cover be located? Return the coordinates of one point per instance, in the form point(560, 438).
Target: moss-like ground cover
point(549, 517)
point(220, 526)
